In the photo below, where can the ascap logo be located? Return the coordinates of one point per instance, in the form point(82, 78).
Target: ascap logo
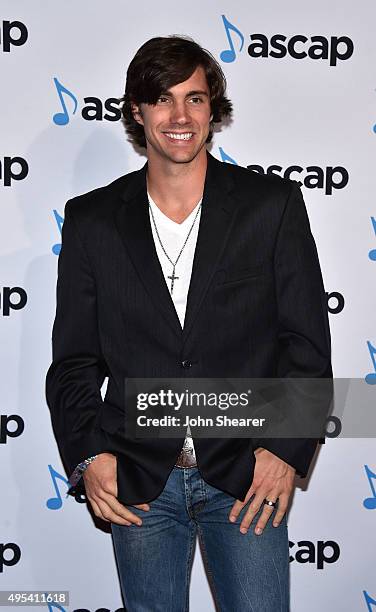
point(372, 252)
point(312, 177)
point(369, 503)
point(319, 553)
point(336, 302)
point(10, 554)
point(370, 601)
point(13, 169)
point(92, 110)
point(12, 34)
point(328, 179)
point(333, 427)
point(56, 248)
point(56, 501)
point(370, 377)
point(279, 46)
point(7, 427)
point(8, 295)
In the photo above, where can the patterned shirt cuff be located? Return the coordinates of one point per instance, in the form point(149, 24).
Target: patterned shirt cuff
point(79, 470)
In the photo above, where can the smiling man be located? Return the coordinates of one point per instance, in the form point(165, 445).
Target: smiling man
point(188, 267)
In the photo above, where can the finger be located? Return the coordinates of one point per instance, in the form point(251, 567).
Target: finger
point(264, 517)
point(127, 518)
point(281, 510)
point(251, 511)
point(239, 505)
point(235, 510)
point(124, 513)
point(99, 514)
point(96, 509)
point(142, 506)
point(115, 510)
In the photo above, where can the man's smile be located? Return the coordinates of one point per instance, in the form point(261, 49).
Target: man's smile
point(179, 135)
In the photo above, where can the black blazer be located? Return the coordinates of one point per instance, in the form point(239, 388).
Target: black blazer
point(256, 308)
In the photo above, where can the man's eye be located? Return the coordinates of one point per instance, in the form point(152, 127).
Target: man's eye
point(196, 99)
point(162, 99)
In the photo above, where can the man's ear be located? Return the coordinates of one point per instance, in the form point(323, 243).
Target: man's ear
point(136, 112)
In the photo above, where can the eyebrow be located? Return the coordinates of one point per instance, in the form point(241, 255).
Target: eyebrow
point(195, 92)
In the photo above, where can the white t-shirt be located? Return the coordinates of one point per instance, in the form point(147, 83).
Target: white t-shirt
point(173, 235)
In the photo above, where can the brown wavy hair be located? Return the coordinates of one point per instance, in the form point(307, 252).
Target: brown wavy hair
point(161, 63)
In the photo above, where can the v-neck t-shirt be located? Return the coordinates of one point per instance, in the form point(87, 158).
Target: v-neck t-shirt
point(173, 235)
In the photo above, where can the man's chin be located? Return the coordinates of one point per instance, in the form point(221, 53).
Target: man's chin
point(176, 156)
point(183, 157)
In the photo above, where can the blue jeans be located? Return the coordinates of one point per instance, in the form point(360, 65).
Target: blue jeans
point(245, 572)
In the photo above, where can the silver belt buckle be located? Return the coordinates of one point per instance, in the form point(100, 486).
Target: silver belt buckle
point(187, 457)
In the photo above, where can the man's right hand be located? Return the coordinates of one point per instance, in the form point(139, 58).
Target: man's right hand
point(101, 491)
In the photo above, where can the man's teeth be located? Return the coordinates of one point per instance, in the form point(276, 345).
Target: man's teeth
point(185, 136)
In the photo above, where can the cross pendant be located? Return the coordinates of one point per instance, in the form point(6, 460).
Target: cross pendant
point(173, 277)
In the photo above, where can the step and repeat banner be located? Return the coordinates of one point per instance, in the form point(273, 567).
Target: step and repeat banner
point(302, 80)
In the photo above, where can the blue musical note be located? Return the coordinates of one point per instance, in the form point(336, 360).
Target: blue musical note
point(63, 118)
point(227, 158)
point(229, 55)
point(370, 502)
point(55, 503)
point(369, 601)
point(59, 220)
point(372, 253)
point(371, 377)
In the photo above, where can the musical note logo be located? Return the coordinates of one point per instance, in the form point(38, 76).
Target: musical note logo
point(370, 502)
point(59, 220)
point(369, 601)
point(371, 377)
point(55, 503)
point(372, 253)
point(229, 55)
point(227, 158)
point(63, 118)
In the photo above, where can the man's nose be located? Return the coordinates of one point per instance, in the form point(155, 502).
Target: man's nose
point(180, 113)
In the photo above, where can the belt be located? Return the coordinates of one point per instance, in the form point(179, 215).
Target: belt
point(187, 457)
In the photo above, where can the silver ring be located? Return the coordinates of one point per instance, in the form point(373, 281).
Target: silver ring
point(268, 502)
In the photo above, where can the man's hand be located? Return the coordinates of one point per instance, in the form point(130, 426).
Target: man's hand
point(101, 491)
point(273, 479)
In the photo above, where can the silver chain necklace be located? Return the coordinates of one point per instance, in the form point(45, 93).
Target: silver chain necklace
point(173, 278)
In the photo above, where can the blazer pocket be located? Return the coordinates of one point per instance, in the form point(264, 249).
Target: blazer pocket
point(235, 275)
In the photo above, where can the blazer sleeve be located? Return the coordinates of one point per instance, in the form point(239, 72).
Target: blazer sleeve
point(304, 334)
point(77, 371)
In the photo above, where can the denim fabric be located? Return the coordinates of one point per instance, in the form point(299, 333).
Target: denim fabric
point(245, 572)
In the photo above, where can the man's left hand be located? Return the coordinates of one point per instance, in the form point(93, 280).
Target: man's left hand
point(274, 480)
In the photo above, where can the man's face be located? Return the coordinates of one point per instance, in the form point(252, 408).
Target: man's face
point(177, 126)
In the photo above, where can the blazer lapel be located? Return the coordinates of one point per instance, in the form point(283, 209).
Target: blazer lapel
point(133, 222)
point(217, 215)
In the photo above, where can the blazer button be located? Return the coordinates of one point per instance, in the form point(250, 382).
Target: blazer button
point(186, 363)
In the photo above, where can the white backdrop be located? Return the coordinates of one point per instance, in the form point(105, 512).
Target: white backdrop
point(289, 111)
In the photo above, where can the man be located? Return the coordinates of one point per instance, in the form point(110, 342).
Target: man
point(186, 268)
